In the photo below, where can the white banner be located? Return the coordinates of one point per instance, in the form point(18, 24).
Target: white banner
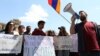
point(38, 46)
point(10, 43)
point(74, 47)
point(62, 42)
point(66, 43)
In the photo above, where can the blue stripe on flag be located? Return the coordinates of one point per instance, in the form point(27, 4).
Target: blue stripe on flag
point(54, 3)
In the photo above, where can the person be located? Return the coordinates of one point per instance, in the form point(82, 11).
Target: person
point(87, 41)
point(51, 33)
point(39, 31)
point(21, 29)
point(28, 30)
point(9, 30)
point(62, 32)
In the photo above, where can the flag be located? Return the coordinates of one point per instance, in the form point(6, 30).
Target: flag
point(55, 4)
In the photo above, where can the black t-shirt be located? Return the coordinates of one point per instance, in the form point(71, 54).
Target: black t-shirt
point(79, 31)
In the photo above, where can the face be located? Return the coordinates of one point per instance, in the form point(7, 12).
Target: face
point(11, 27)
point(83, 16)
point(41, 26)
point(22, 29)
point(29, 29)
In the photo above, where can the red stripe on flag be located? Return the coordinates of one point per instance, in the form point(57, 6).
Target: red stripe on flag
point(50, 2)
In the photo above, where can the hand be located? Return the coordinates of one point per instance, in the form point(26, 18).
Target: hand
point(73, 19)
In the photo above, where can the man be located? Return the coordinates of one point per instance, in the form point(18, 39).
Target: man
point(21, 29)
point(87, 40)
point(28, 30)
point(38, 31)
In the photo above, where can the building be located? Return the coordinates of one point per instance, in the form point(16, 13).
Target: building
point(2, 26)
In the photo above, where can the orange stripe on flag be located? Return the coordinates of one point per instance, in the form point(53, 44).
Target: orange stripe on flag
point(58, 6)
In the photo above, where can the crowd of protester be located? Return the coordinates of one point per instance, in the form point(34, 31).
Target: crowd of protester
point(22, 30)
point(87, 46)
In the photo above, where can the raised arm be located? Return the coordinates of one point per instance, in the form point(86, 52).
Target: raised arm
point(72, 27)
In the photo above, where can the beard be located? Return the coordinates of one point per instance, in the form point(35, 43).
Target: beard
point(82, 18)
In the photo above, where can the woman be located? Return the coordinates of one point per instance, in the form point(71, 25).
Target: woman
point(62, 32)
point(9, 30)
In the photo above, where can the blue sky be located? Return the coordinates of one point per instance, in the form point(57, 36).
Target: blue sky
point(30, 11)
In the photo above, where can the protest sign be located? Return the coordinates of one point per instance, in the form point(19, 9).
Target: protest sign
point(38, 46)
point(66, 43)
point(10, 43)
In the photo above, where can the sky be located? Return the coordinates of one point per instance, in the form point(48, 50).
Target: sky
point(31, 11)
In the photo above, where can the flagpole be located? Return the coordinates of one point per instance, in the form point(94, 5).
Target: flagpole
point(64, 18)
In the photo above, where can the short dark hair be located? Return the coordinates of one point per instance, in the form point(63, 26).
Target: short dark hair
point(21, 26)
point(83, 11)
point(41, 21)
point(28, 26)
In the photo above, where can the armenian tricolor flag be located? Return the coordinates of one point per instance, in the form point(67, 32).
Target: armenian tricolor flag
point(55, 4)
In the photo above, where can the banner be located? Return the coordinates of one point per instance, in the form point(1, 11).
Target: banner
point(10, 43)
point(74, 47)
point(62, 42)
point(38, 46)
point(66, 43)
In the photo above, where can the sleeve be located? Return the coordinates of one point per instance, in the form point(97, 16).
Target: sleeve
point(34, 32)
point(76, 28)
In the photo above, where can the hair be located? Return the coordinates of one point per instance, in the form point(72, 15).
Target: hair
point(84, 12)
point(21, 26)
point(50, 33)
point(28, 27)
point(62, 32)
point(41, 22)
point(7, 27)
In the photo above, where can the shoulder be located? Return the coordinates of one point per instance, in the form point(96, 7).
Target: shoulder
point(36, 29)
point(93, 23)
point(78, 24)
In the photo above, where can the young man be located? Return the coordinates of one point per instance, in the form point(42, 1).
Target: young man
point(21, 29)
point(38, 31)
point(87, 40)
point(28, 30)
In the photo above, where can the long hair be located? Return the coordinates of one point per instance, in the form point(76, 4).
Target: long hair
point(51, 33)
point(62, 32)
point(7, 27)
